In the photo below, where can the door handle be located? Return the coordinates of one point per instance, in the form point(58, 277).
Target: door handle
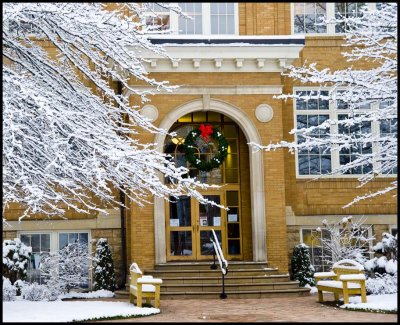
point(197, 227)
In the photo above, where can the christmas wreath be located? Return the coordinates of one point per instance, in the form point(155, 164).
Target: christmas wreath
point(206, 132)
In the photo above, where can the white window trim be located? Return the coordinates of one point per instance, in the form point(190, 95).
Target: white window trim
point(333, 114)
point(368, 226)
point(330, 14)
point(206, 21)
point(54, 242)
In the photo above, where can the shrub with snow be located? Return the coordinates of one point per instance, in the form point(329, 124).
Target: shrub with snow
point(385, 260)
point(19, 284)
point(9, 291)
point(16, 256)
point(104, 272)
point(302, 269)
point(66, 269)
point(35, 292)
point(382, 284)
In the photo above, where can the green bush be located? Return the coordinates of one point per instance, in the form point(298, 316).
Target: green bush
point(302, 269)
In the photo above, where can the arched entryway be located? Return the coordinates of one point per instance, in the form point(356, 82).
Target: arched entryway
point(256, 176)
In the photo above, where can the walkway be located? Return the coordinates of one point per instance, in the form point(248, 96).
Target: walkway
point(283, 309)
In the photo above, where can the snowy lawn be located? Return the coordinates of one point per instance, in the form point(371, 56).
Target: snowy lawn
point(374, 303)
point(68, 311)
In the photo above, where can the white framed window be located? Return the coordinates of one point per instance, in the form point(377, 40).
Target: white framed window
point(207, 18)
point(40, 243)
point(43, 242)
point(319, 255)
point(322, 160)
point(305, 16)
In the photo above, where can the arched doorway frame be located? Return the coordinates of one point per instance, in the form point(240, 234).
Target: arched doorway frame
point(257, 193)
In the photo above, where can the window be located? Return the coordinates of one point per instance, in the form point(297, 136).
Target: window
point(312, 110)
point(388, 132)
point(195, 11)
point(207, 18)
point(43, 243)
point(157, 18)
point(393, 230)
point(307, 15)
point(320, 257)
point(312, 238)
point(346, 10)
point(222, 18)
point(40, 244)
point(357, 150)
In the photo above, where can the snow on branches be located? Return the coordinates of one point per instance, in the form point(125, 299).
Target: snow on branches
point(68, 134)
point(368, 130)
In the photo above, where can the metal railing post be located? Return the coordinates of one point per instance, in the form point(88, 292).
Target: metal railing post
point(222, 262)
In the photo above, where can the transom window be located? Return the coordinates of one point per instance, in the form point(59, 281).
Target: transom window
point(206, 18)
point(228, 172)
point(311, 111)
point(306, 16)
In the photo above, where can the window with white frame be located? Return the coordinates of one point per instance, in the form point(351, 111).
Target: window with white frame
point(311, 111)
point(388, 132)
point(157, 18)
point(193, 25)
point(312, 238)
point(205, 18)
point(320, 257)
point(222, 18)
point(44, 243)
point(40, 243)
point(346, 10)
point(393, 230)
point(306, 17)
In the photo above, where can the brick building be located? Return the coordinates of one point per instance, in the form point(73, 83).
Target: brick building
point(231, 56)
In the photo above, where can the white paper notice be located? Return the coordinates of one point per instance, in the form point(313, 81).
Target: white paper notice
point(232, 218)
point(217, 221)
point(174, 222)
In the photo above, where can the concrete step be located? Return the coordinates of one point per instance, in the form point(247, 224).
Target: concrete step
point(228, 279)
point(206, 265)
point(233, 294)
point(207, 272)
point(217, 287)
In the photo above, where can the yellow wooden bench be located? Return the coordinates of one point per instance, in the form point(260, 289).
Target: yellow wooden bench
point(143, 286)
point(346, 278)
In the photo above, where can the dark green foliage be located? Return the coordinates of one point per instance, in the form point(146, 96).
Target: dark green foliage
point(302, 269)
point(104, 273)
point(194, 159)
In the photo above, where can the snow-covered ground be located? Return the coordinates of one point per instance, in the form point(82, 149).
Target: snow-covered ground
point(68, 311)
point(87, 295)
point(374, 302)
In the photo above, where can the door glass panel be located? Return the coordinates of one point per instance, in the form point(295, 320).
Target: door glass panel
point(210, 215)
point(181, 243)
point(234, 246)
point(179, 212)
point(206, 246)
point(233, 230)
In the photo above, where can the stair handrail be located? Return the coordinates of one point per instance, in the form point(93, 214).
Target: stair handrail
point(223, 263)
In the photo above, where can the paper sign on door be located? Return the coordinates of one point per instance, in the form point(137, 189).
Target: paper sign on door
point(174, 222)
point(217, 221)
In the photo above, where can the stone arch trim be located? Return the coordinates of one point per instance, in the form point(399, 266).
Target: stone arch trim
point(256, 174)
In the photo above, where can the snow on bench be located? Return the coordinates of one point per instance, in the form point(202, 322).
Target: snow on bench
point(346, 278)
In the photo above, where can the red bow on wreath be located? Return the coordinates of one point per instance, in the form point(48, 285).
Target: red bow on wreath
point(206, 131)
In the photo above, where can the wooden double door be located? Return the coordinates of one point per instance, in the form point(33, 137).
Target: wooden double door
point(189, 224)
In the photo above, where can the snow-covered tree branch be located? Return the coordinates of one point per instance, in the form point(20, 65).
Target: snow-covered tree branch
point(351, 115)
point(68, 135)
